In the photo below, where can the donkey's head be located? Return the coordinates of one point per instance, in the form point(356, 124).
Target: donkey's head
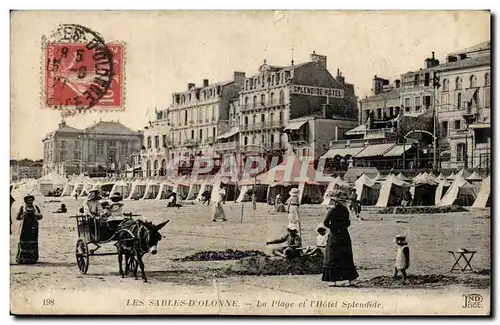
point(154, 235)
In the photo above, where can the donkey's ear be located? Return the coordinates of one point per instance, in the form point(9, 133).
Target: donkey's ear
point(161, 225)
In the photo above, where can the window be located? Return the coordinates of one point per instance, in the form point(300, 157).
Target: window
point(254, 101)
point(271, 118)
point(262, 139)
point(253, 139)
point(472, 81)
point(427, 102)
point(192, 134)
point(459, 101)
point(446, 85)
point(416, 81)
point(63, 144)
point(213, 132)
point(282, 97)
point(407, 104)
point(164, 140)
point(201, 135)
point(245, 142)
point(271, 98)
point(379, 113)
point(76, 155)
point(157, 141)
point(444, 129)
point(458, 124)
point(277, 78)
point(391, 111)
point(254, 119)
point(100, 146)
point(417, 104)
point(262, 99)
point(482, 135)
point(487, 97)
point(155, 166)
point(246, 101)
point(246, 120)
point(124, 147)
point(486, 79)
point(426, 79)
point(273, 79)
point(148, 168)
point(262, 118)
point(281, 116)
point(444, 101)
point(185, 117)
point(458, 83)
point(272, 138)
point(461, 151)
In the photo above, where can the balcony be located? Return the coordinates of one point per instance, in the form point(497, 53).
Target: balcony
point(189, 143)
point(298, 139)
point(225, 146)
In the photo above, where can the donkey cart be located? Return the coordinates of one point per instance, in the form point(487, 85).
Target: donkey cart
point(92, 232)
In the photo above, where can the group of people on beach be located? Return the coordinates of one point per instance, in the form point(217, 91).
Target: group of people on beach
point(333, 241)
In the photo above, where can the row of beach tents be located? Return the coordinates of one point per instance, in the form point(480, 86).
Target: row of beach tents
point(462, 188)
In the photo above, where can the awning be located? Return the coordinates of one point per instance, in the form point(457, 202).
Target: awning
point(480, 126)
point(469, 94)
point(398, 150)
point(228, 134)
point(342, 152)
point(295, 125)
point(375, 150)
point(360, 129)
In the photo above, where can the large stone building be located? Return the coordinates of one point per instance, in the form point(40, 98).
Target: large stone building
point(277, 95)
point(190, 125)
point(459, 89)
point(104, 147)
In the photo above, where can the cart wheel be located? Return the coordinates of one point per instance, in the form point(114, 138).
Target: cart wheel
point(82, 256)
point(131, 264)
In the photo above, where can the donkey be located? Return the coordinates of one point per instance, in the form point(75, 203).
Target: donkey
point(138, 238)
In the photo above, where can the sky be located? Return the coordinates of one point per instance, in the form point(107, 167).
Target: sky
point(165, 50)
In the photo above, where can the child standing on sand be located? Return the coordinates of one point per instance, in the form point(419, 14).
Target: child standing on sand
point(402, 257)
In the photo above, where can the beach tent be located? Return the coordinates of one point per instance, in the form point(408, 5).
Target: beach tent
point(165, 187)
point(424, 188)
point(121, 187)
point(483, 198)
point(203, 187)
point(442, 187)
point(151, 190)
point(243, 191)
point(403, 177)
point(367, 190)
point(68, 188)
point(336, 183)
point(451, 176)
point(50, 182)
point(380, 178)
point(391, 191)
point(138, 189)
point(460, 193)
point(475, 179)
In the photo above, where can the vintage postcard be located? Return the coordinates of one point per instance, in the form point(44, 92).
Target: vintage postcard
point(250, 163)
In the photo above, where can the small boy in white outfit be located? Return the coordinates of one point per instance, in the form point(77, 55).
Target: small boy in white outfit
point(402, 257)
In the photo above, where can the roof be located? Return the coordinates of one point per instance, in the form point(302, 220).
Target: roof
point(459, 64)
point(360, 129)
point(476, 48)
point(110, 127)
point(232, 131)
point(386, 95)
point(342, 152)
point(295, 125)
point(375, 150)
point(68, 129)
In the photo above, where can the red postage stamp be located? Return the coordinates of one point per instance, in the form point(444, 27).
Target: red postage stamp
point(82, 71)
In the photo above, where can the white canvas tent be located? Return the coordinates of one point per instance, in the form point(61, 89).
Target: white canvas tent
point(50, 182)
point(390, 190)
point(22, 189)
point(138, 189)
point(121, 187)
point(68, 189)
point(442, 187)
point(424, 189)
point(151, 191)
point(483, 197)
point(336, 183)
point(403, 177)
point(165, 186)
point(460, 192)
point(367, 190)
point(243, 197)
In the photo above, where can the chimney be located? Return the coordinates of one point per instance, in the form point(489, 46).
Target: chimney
point(339, 78)
point(433, 55)
point(205, 82)
point(190, 85)
point(239, 77)
point(321, 59)
point(62, 124)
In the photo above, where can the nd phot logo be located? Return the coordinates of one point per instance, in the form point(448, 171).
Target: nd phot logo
point(473, 300)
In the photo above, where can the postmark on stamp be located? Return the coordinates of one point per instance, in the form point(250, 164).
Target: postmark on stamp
point(81, 71)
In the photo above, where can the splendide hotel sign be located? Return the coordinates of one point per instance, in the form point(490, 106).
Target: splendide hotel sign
point(317, 91)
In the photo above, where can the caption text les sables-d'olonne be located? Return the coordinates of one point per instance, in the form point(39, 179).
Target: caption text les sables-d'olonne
point(305, 303)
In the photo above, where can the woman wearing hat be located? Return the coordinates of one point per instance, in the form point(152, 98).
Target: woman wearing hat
point(29, 214)
point(93, 205)
point(293, 206)
point(115, 207)
point(338, 264)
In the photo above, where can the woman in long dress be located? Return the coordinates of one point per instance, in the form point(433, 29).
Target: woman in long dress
point(29, 214)
point(218, 210)
point(338, 264)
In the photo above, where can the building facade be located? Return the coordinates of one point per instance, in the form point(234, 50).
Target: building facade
point(104, 147)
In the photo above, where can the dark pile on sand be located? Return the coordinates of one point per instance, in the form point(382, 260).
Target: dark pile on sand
point(228, 254)
point(258, 265)
point(422, 210)
point(427, 280)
